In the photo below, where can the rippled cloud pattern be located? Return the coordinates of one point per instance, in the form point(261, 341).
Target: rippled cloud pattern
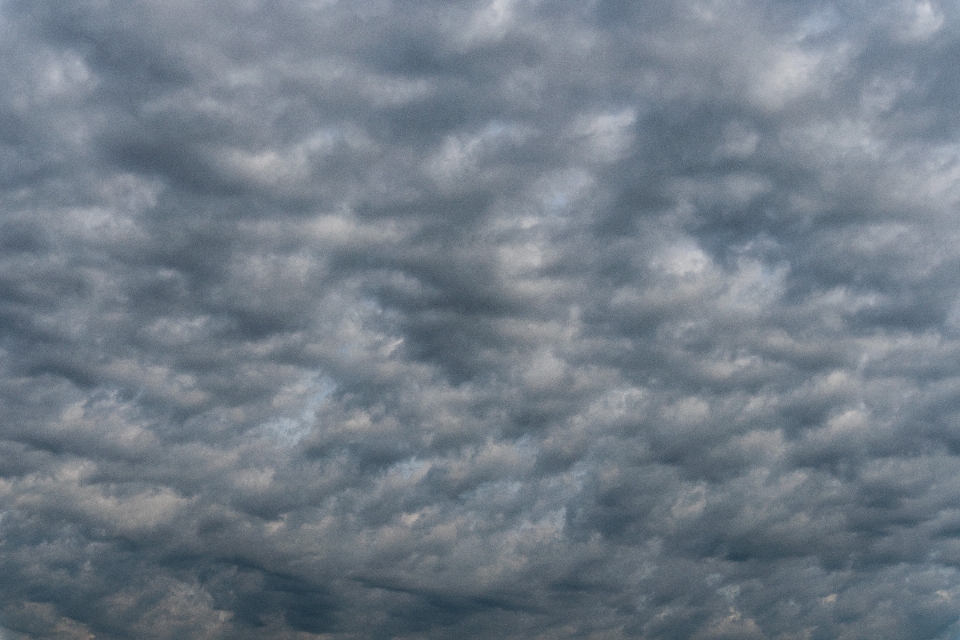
point(506, 319)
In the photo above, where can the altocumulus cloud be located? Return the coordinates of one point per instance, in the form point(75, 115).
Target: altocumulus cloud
point(509, 319)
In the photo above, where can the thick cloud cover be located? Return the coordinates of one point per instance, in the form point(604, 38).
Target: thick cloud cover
point(479, 319)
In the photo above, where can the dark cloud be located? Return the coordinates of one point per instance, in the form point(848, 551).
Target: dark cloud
point(479, 319)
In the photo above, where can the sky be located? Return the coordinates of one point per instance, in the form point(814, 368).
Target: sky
point(509, 319)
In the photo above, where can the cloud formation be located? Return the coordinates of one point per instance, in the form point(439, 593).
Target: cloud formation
point(479, 319)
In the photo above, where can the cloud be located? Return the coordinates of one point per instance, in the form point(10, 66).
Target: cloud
point(479, 319)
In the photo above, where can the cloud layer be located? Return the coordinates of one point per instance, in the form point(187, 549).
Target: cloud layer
point(479, 319)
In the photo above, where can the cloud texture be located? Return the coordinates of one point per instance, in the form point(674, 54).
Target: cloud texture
point(506, 319)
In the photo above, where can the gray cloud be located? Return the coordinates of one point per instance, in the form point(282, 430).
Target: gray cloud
point(479, 319)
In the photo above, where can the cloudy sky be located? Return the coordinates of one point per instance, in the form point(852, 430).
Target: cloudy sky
point(516, 319)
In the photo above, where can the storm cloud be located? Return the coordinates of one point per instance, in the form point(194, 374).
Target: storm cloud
point(507, 319)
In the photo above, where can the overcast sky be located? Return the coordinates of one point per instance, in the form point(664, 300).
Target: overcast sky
point(520, 319)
